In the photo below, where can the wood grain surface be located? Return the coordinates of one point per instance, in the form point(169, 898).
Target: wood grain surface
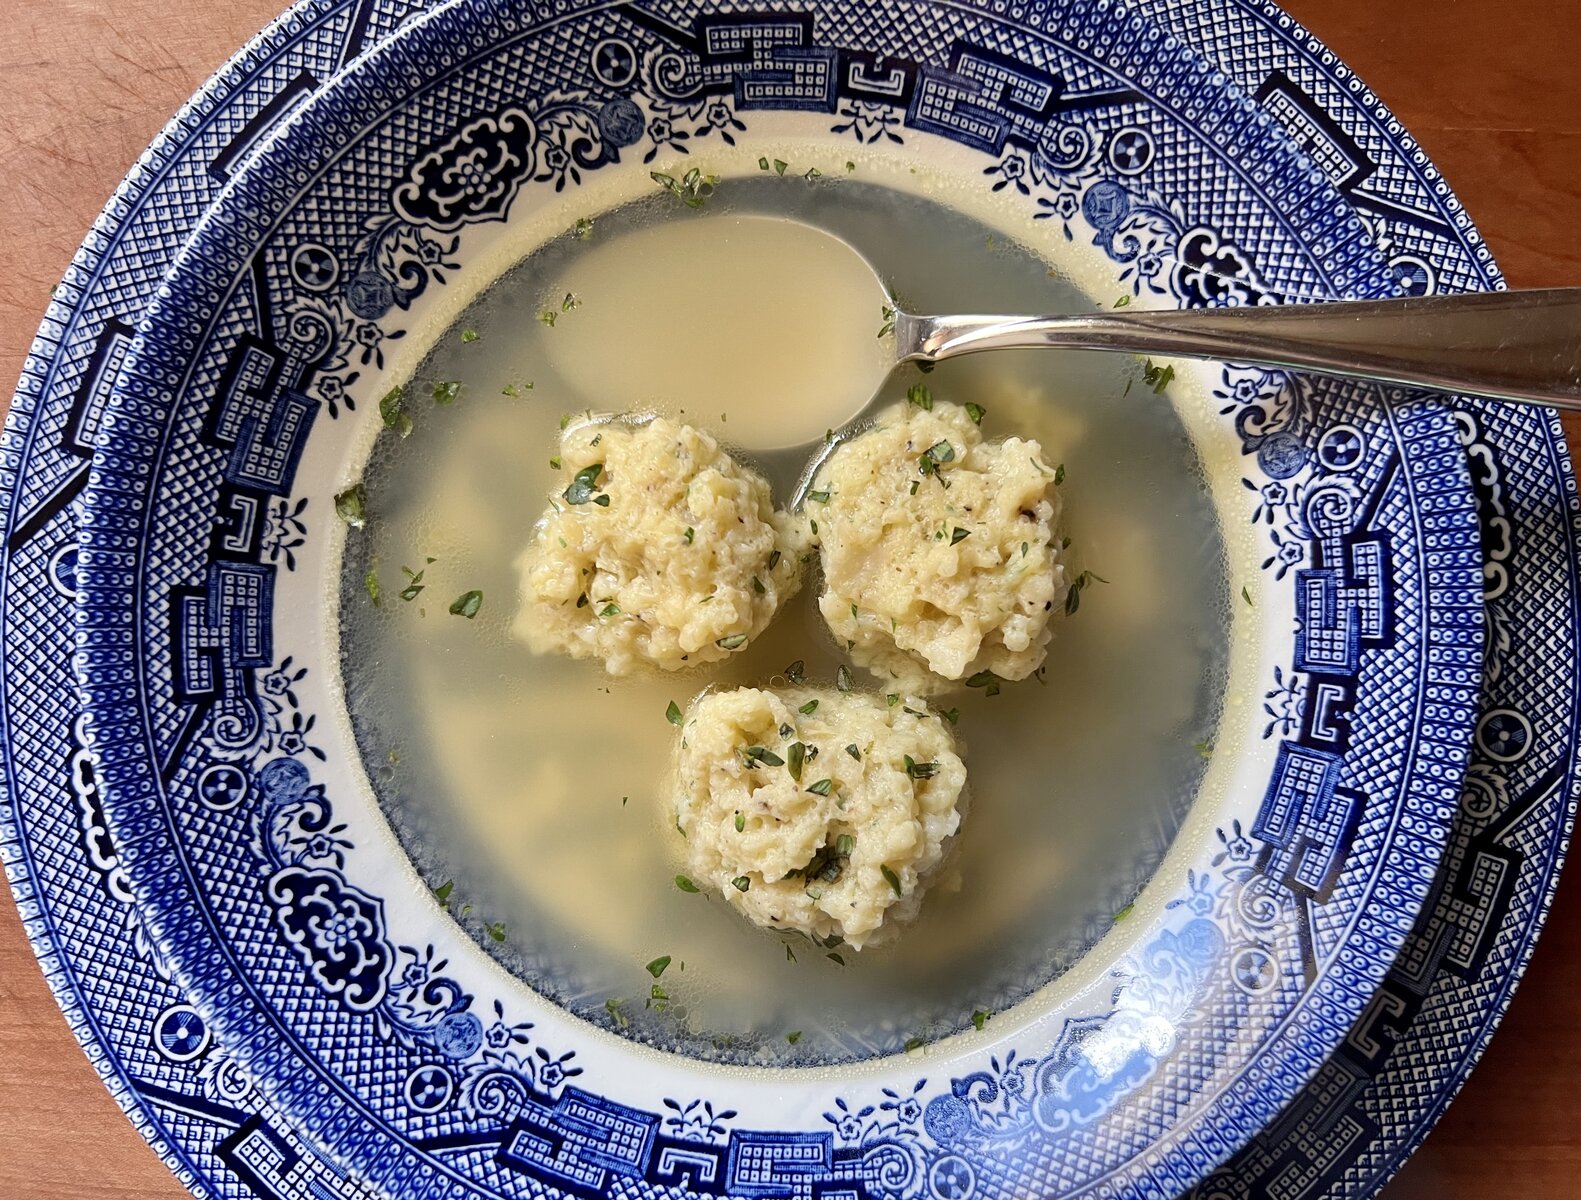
point(1489, 88)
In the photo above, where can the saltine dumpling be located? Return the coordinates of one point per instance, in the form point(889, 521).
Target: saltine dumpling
point(660, 549)
point(819, 811)
point(940, 558)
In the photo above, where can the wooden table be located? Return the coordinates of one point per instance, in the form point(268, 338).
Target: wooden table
point(1490, 89)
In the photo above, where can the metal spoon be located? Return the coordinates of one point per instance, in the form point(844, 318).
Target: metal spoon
point(1520, 346)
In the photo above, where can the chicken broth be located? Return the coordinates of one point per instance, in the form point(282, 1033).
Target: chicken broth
point(537, 788)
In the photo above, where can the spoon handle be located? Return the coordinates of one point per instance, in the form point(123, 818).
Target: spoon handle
point(1523, 345)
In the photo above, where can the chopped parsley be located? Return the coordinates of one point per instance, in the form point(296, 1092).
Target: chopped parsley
point(583, 228)
point(571, 301)
point(442, 892)
point(844, 844)
point(1124, 301)
point(854, 751)
point(935, 456)
point(467, 604)
point(469, 335)
point(757, 586)
point(986, 680)
point(779, 166)
point(741, 823)
point(686, 885)
point(392, 411)
point(892, 699)
point(351, 506)
point(613, 1007)
point(809, 708)
point(835, 959)
point(797, 671)
point(958, 535)
point(774, 559)
point(976, 412)
point(796, 755)
point(919, 395)
point(842, 678)
point(1156, 377)
point(763, 163)
point(914, 1044)
point(584, 486)
point(370, 583)
point(673, 714)
point(734, 642)
point(1082, 581)
point(511, 389)
point(888, 325)
point(446, 391)
point(610, 610)
point(920, 770)
point(1204, 748)
point(414, 583)
point(794, 1035)
point(496, 930)
point(689, 534)
point(952, 715)
point(1246, 595)
point(980, 1018)
point(819, 496)
point(1059, 474)
point(741, 883)
point(693, 189)
point(891, 878)
point(763, 755)
point(548, 317)
point(822, 788)
point(656, 967)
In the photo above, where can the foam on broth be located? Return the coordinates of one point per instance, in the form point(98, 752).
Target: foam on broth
point(536, 784)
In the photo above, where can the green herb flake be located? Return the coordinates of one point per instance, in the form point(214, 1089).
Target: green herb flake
point(854, 751)
point(958, 535)
point(467, 604)
point(613, 1007)
point(1156, 377)
point(689, 534)
point(763, 755)
point(686, 885)
point(795, 756)
point(656, 967)
point(822, 788)
point(370, 583)
point(351, 506)
point(1204, 749)
point(794, 1035)
point(779, 166)
point(818, 496)
point(673, 714)
point(1059, 474)
point(913, 1045)
point(914, 486)
point(935, 456)
point(548, 317)
point(844, 844)
point(976, 412)
point(583, 228)
point(496, 930)
point(891, 878)
point(809, 708)
point(986, 680)
point(741, 823)
point(1124, 913)
point(920, 770)
point(919, 395)
point(414, 583)
point(980, 1018)
point(842, 678)
point(734, 642)
point(741, 883)
point(887, 326)
point(757, 586)
point(1124, 301)
point(1077, 586)
point(565, 421)
point(763, 164)
point(584, 484)
point(1246, 595)
point(693, 189)
point(952, 715)
point(796, 672)
point(446, 391)
point(571, 301)
point(610, 610)
point(835, 959)
point(469, 335)
point(442, 892)
point(392, 411)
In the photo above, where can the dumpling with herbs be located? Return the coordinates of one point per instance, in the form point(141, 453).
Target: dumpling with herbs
point(940, 558)
point(817, 811)
point(660, 550)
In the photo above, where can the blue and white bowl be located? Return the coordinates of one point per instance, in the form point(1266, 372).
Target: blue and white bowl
point(1182, 1032)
